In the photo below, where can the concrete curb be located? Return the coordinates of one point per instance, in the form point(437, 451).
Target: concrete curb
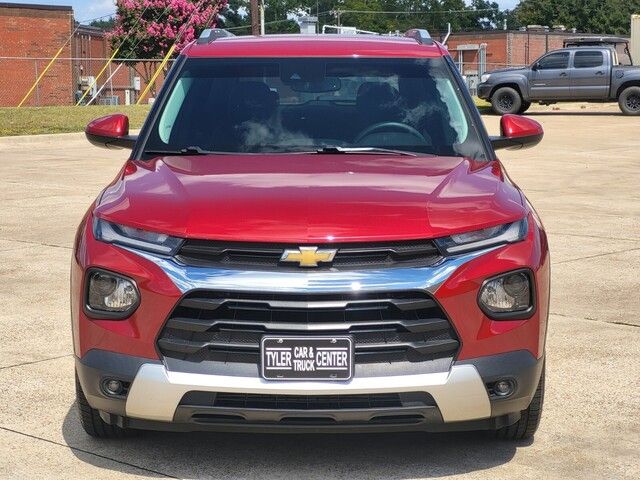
point(22, 140)
point(19, 140)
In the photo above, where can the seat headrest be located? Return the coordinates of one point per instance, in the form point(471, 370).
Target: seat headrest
point(376, 93)
point(255, 100)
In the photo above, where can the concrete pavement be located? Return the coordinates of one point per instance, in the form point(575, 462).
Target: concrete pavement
point(583, 179)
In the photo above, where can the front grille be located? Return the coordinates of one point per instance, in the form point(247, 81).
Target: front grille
point(307, 402)
point(238, 419)
point(300, 411)
point(349, 255)
point(228, 327)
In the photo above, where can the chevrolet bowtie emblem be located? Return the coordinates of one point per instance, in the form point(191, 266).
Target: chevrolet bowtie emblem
point(308, 256)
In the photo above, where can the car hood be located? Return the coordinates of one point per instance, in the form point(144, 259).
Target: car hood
point(302, 198)
point(509, 70)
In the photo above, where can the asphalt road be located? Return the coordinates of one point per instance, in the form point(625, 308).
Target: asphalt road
point(584, 179)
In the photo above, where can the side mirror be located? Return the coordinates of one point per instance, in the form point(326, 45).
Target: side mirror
point(535, 66)
point(111, 131)
point(517, 132)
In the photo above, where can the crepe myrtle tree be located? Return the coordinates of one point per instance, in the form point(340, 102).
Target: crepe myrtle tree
point(145, 30)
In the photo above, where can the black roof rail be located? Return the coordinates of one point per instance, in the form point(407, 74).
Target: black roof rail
point(591, 41)
point(211, 34)
point(421, 35)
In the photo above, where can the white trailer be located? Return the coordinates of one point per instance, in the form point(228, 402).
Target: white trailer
point(635, 39)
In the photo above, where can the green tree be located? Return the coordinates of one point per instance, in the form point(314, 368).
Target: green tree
point(278, 15)
point(589, 16)
point(234, 16)
point(490, 16)
point(105, 24)
point(372, 15)
point(430, 14)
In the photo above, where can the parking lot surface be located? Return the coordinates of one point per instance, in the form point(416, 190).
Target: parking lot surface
point(584, 180)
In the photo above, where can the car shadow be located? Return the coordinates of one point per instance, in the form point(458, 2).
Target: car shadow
point(576, 113)
point(224, 455)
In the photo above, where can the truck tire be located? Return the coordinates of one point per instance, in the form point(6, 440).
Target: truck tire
point(629, 101)
point(506, 100)
point(524, 107)
point(91, 421)
point(529, 419)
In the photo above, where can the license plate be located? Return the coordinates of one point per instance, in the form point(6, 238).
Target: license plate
point(307, 358)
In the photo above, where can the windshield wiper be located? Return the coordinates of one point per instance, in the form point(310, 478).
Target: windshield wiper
point(365, 150)
point(195, 150)
point(187, 151)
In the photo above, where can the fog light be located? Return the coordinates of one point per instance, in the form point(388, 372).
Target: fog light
point(112, 386)
point(516, 284)
point(102, 284)
point(110, 295)
point(503, 388)
point(507, 296)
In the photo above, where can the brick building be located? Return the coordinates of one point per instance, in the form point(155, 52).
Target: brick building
point(31, 35)
point(504, 47)
point(27, 34)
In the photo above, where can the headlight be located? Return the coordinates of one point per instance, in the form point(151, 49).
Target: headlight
point(485, 77)
point(110, 295)
point(508, 296)
point(487, 237)
point(135, 237)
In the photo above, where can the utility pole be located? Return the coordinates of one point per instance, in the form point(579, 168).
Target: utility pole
point(262, 32)
point(255, 17)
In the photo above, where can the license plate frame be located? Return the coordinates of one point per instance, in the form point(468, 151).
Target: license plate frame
point(274, 365)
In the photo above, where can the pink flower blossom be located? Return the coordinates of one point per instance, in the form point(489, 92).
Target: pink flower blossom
point(148, 28)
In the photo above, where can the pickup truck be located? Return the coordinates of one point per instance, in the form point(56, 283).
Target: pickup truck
point(584, 74)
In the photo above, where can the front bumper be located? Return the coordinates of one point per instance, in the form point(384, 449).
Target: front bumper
point(484, 91)
point(461, 397)
point(459, 393)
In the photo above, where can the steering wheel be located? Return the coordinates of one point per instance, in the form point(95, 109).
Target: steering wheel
point(384, 126)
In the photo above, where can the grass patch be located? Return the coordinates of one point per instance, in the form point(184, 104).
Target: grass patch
point(482, 105)
point(36, 121)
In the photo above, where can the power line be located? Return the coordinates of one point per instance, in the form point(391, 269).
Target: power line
point(429, 12)
point(89, 20)
point(273, 22)
point(266, 23)
point(382, 12)
point(115, 52)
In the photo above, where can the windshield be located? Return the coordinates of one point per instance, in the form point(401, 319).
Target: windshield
point(308, 104)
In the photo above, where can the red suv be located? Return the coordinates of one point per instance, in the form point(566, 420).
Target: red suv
point(312, 233)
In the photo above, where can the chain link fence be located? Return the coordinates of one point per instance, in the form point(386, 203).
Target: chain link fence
point(42, 82)
point(71, 80)
point(472, 72)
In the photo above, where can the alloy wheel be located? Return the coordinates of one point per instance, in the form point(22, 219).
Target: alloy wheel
point(633, 102)
point(506, 102)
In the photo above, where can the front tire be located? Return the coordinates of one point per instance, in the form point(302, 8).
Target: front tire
point(629, 101)
point(524, 107)
point(529, 419)
point(91, 421)
point(506, 100)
